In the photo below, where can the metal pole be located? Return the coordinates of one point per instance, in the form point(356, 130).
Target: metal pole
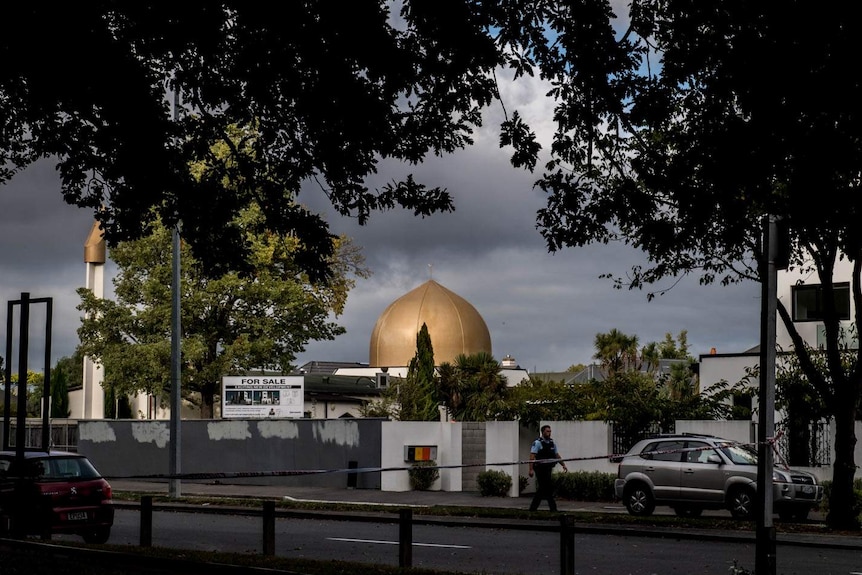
point(269, 528)
point(7, 392)
point(18, 508)
point(176, 402)
point(764, 559)
point(405, 538)
point(46, 385)
point(175, 488)
point(23, 352)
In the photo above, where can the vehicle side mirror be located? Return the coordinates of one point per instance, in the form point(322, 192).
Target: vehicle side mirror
point(713, 459)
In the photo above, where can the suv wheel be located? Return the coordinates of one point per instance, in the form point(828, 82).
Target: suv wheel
point(741, 503)
point(639, 500)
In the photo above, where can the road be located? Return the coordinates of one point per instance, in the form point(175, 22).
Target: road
point(499, 551)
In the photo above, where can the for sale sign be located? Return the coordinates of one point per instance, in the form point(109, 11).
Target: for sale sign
point(253, 397)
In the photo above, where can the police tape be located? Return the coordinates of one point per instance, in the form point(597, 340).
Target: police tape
point(199, 476)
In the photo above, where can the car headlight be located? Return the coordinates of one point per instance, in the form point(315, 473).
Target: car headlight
point(780, 477)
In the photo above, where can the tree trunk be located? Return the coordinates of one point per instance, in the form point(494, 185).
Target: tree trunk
point(207, 401)
point(843, 510)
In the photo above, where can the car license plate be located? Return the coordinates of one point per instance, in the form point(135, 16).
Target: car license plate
point(77, 516)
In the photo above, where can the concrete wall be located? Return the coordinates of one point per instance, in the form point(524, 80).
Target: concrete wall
point(398, 434)
point(133, 447)
point(473, 449)
point(502, 446)
point(125, 448)
point(741, 431)
point(588, 440)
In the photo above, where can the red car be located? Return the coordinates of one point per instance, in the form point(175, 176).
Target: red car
point(60, 493)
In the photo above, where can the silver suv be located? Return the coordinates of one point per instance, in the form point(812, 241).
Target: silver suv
point(692, 472)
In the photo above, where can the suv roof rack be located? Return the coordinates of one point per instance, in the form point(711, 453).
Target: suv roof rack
point(690, 434)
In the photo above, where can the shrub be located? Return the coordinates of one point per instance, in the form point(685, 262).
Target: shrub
point(827, 493)
point(585, 485)
point(523, 480)
point(423, 474)
point(494, 483)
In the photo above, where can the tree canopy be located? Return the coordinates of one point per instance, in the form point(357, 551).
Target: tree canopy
point(696, 121)
point(679, 126)
point(328, 92)
point(230, 324)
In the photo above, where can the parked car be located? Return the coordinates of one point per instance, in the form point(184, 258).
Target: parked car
point(690, 473)
point(59, 492)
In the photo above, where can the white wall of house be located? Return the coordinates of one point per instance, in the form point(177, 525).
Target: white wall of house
point(807, 329)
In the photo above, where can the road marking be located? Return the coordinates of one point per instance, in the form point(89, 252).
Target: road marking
point(380, 542)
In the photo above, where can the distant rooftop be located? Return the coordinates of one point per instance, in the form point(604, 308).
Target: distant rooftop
point(326, 367)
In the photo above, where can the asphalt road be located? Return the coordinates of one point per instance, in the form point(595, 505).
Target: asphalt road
point(470, 549)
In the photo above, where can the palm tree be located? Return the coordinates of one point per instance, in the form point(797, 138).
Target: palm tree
point(616, 351)
point(472, 388)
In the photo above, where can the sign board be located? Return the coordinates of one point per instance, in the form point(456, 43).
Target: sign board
point(414, 453)
point(264, 396)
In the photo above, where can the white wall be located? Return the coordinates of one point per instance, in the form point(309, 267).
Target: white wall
point(786, 280)
point(588, 440)
point(502, 446)
point(741, 431)
point(396, 434)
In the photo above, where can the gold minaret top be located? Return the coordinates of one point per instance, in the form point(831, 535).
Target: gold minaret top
point(94, 247)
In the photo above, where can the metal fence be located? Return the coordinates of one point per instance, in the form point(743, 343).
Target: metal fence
point(624, 438)
point(807, 445)
point(64, 434)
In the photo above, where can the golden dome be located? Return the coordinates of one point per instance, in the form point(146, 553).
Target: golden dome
point(453, 323)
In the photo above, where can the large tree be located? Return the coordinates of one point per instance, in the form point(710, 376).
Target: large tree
point(329, 90)
point(679, 129)
point(230, 324)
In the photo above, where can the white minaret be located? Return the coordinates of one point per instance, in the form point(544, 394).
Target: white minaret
point(93, 397)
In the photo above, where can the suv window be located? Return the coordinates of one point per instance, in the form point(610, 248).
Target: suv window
point(739, 454)
point(672, 448)
point(704, 450)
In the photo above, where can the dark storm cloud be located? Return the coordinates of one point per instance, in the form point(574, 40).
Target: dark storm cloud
point(544, 309)
point(42, 241)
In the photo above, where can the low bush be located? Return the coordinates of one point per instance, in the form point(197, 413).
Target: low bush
point(423, 474)
point(827, 492)
point(493, 483)
point(585, 485)
point(523, 481)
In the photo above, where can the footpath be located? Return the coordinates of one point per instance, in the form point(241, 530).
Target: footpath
point(812, 537)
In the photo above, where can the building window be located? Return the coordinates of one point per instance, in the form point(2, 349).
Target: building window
point(808, 302)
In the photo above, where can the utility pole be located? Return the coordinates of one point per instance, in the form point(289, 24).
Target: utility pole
point(764, 554)
point(175, 488)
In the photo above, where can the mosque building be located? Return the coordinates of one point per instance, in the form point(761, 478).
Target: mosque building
point(455, 328)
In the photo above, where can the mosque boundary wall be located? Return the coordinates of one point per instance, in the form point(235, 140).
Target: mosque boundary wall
point(128, 448)
point(135, 448)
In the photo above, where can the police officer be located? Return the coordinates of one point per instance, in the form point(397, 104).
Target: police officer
point(544, 448)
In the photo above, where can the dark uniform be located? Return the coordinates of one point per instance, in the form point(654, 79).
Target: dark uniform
point(544, 449)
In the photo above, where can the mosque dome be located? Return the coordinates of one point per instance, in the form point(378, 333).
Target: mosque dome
point(453, 323)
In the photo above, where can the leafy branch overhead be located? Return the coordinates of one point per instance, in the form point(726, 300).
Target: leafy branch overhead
point(328, 92)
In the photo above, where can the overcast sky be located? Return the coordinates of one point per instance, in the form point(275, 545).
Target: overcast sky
point(543, 309)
